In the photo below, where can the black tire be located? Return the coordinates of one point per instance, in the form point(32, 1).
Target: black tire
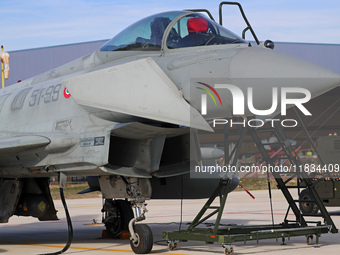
point(307, 207)
point(145, 239)
point(172, 246)
point(309, 240)
point(121, 222)
point(229, 251)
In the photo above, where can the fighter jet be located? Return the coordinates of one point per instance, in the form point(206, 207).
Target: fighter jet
point(129, 112)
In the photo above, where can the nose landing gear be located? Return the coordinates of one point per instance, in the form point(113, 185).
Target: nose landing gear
point(119, 214)
point(141, 239)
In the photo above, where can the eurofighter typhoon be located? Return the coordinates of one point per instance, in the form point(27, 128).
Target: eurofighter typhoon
point(129, 112)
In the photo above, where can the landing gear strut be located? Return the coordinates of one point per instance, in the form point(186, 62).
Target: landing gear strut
point(141, 239)
point(119, 214)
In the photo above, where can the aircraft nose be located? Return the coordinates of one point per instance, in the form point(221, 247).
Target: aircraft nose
point(260, 81)
point(263, 69)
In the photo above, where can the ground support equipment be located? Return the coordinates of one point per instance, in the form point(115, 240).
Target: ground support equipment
point(299, 226)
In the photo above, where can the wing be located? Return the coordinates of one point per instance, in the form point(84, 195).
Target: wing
point(149, 93)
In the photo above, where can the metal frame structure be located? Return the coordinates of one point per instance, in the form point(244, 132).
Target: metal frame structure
point(249, 27)
point(288, 228)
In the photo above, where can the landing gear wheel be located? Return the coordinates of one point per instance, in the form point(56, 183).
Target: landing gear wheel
point(229, 251)
point(309, 240)
point(144, 242)
point(117, 216)
point(172, 246)
point(307, 207)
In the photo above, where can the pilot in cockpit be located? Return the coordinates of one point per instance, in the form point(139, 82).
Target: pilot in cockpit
point(197, 33)
point(191, 30)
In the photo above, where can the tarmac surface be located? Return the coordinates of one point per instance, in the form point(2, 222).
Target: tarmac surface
point(26, 235)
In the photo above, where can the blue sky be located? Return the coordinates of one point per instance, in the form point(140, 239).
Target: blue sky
point(40, 23)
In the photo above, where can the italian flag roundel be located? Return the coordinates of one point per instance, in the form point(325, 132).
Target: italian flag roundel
point(66, 93)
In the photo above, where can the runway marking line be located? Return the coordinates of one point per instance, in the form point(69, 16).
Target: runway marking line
point(86, 248)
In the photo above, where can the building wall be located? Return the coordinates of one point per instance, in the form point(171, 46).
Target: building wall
point(28, 63)
point(326, 55)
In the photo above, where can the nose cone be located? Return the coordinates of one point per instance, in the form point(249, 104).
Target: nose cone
point(263, 69)
point(256, 81)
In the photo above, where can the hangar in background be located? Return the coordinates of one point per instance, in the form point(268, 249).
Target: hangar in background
point(25, 64)
point(325, 109)
point(28, 63)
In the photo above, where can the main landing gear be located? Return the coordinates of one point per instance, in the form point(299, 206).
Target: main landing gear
point(117, 215)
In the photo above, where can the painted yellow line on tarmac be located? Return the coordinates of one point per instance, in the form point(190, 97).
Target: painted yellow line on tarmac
point(86, 248)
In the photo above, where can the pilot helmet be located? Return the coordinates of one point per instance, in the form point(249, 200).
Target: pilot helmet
point(197, 24)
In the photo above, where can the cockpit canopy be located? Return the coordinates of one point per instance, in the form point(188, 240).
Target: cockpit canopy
point(190, 30)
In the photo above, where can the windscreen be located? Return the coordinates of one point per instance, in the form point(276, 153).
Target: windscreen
point(192, 30)
point(145, 34)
